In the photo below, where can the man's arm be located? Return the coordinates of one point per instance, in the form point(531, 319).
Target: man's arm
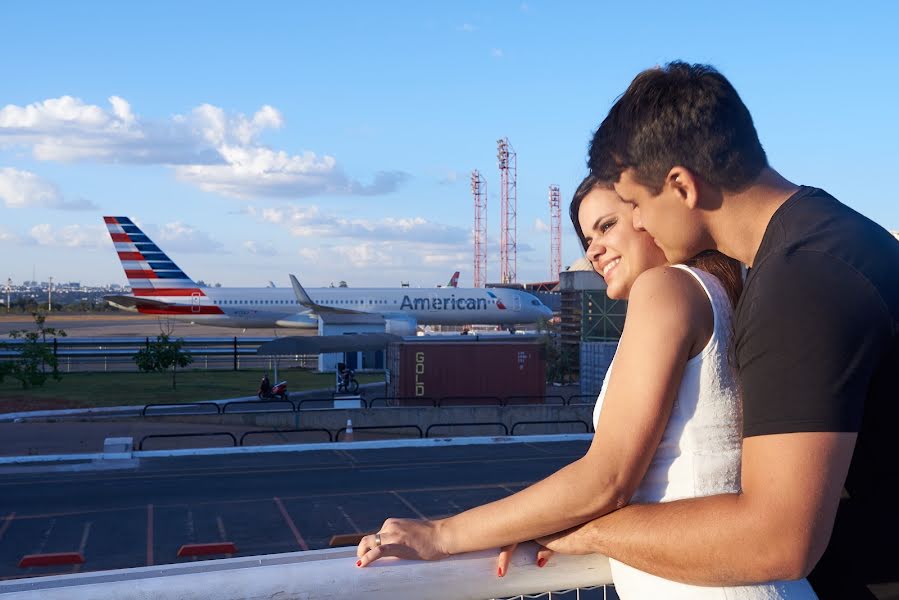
point(776, 529)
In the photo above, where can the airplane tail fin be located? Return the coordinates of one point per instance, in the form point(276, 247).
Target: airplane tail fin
point(454, 280)
point(149, 270)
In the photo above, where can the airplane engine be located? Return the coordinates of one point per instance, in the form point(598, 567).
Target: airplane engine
point(401, 326)
point(298, 321)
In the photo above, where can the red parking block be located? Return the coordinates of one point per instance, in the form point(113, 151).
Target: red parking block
point(206, 549)
point(46, 560)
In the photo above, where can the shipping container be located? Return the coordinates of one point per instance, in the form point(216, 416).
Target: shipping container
point(466, 373)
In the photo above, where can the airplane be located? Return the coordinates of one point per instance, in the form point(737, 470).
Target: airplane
point(160, 287)
point(454, 280)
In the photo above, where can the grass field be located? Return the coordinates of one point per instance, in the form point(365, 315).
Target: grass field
point(122, 389)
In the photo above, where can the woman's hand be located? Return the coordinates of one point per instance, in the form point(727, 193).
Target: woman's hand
point(403, 538)
point(505, 556)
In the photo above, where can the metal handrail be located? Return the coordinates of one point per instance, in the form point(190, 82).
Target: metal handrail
point(373, 427)
point(273, 431)
point(329, 401)
point(590, 399)
point(428, 430)
point(567, 421)
point(495, 399)
point(218, 409)
point(257, 404)
point(506, 400)
point(395, 399)
point(176, 435)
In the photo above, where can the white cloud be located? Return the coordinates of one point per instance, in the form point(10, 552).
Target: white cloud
point(209, 148)
point(540, 226)
point(311, 222)
point(467, 27)
point(6, 236)
point(310, 254)
point(22, 189)
point(259, 248)
point(496, 52)
point(450, 178)
point(180, 237)
point(70, 236)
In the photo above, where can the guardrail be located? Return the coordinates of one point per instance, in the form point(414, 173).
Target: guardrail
point(187, 435)
point(114, 354)
point(341, 434)
point(330, 573)
point(259, 406)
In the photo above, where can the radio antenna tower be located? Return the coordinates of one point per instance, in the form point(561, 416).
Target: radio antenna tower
point(508, 199)
point(555, 232)
point(479, 194)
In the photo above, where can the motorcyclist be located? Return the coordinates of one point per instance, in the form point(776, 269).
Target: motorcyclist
point(265, 387)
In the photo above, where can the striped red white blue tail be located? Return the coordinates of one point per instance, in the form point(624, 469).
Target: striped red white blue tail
point(152, 274)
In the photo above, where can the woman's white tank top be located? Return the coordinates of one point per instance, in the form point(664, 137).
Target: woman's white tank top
point(698, 455)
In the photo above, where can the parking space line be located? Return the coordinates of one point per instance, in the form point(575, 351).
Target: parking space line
point(149, 535)
point(409, 505)
point(84, 536)
point(349, 520)
point(222, 534)
point(6, 522)
point(290, 523)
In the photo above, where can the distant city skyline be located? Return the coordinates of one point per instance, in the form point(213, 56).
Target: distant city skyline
point(336, 141)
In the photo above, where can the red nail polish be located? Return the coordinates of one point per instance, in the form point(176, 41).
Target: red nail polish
point(358, 563)
point(541, 562)
point(499, 571)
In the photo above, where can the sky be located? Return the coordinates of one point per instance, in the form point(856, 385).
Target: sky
point(336, 140)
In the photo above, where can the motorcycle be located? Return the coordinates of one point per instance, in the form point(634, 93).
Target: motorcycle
point(279, 391)
point(346, 383)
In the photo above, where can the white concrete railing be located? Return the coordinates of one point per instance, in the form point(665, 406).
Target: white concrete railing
point(322, 574)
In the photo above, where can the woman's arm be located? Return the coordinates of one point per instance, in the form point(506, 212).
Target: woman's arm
point(666, 309)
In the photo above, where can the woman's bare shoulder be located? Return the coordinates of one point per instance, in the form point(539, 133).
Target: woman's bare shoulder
point(671, 283)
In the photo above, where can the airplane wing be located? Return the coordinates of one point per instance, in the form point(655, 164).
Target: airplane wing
point(134, 303)
point(303, 299)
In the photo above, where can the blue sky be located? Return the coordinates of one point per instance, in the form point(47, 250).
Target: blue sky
point(335, 140)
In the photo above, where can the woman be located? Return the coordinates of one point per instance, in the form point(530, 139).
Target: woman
point(668, 418)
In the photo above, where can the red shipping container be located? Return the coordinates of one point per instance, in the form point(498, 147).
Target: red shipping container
point(480, 371)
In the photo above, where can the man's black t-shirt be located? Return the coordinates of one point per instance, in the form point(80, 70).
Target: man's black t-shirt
point(817, 349)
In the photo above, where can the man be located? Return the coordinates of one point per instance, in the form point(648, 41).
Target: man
point(815, 346)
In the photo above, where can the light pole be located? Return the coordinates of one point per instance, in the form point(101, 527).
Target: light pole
point(8, 287)
point(50, 295)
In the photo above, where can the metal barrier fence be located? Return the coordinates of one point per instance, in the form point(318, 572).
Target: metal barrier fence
point(499, 425)
point(281, 406)
point(115, 354)
point(365, 431)
point(157, 436)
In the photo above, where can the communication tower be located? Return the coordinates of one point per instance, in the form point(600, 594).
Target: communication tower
point(479, 194)
point(508, 198)
point(555, 232)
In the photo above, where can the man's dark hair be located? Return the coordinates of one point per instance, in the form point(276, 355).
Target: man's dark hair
point(679, 115)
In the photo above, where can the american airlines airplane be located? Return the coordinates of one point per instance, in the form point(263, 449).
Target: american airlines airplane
point(160, 287)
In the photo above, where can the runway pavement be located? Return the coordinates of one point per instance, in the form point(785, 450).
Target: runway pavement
point(135, 325)
point(130, 513)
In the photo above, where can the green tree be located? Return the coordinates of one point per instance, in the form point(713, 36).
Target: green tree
point(558, 357)
point(36, 355)
point(164, 353)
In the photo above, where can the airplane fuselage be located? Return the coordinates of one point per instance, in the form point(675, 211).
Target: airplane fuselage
point(271, 307)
